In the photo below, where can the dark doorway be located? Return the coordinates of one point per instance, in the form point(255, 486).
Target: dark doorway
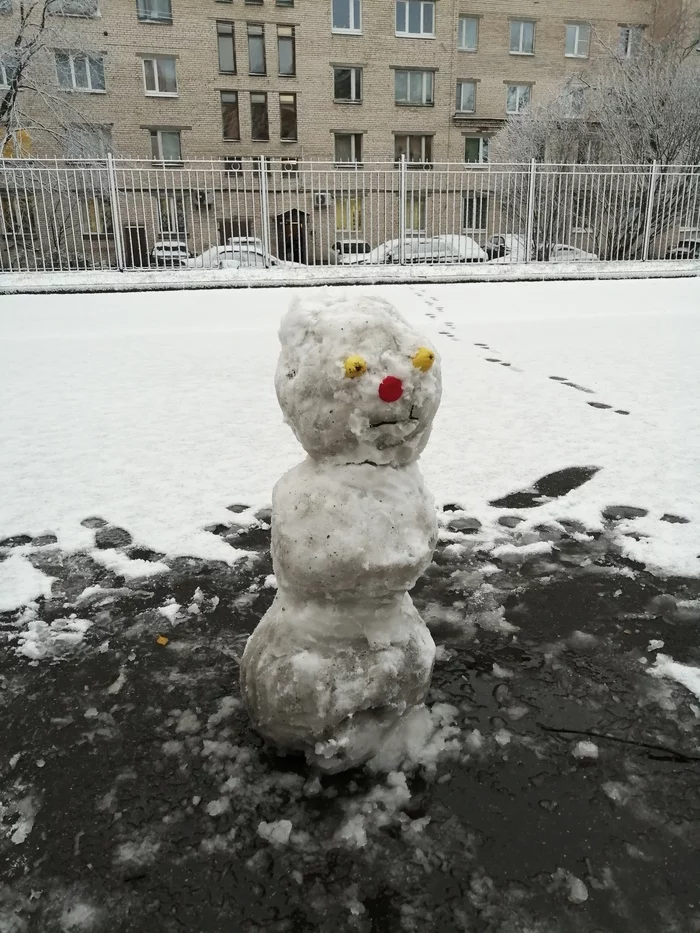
point(135, 247)
point(234, 228)
point(292, 235)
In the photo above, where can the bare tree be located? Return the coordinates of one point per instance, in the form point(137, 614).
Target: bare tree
point(633, 110)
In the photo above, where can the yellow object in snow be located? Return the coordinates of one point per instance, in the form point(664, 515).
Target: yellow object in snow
point(355, 366)
point(162, 640)
point(423, 359)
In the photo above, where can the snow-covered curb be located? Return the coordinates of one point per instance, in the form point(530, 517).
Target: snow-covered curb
point(166, 279)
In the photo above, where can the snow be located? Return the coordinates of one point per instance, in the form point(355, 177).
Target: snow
point(588, 750)
point(276, 833)
point(157, 412)
point(20, 583)
point(51, 640)
point(689, 677)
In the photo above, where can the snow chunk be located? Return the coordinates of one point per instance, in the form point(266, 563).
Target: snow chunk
point(683, 674)
point(217, 807)
point(42, 640)
point(585, 750)
point(188, 722)
point(123, 565)
point(655, 644)
point(170, 610)
point(276, 833)
point(79, 917)
point(21, 583)
point(578, 892)
point(419, 739)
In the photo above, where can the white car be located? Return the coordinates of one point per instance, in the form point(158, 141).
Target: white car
point(450, 248)
point(563, 253)
point(239, 253)
point(507, 247)
point(171, 253)
point(343, 252)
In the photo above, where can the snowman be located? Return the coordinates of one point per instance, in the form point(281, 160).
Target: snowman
point(342, 655)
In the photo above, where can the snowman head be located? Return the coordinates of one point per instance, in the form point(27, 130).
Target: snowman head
point(356, 383)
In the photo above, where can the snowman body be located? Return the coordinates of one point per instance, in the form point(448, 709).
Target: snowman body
point(342, 653)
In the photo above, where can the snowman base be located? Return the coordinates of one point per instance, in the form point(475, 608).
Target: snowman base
point(333, 679)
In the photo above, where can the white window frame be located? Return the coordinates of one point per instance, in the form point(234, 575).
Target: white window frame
point(427, 88)
point(146, 13)
point(627, 47)
point(93, 224)
point(465, 207)
point(80, 137)
point(158, 92)
point(460, 92)
point(175, 207)
point(353, 149)
point(484, 142)
point(72, 56)
point(521, 91)
point(461, 46)
point(522, 23)
point(413, 199)
point(349, 206)
point(575, 92)
point(355, 85)
point(423, 137)
point(159, 136)
point(56, 9)
point(4, 78)
point(354, 13)
point(404, 5)
point(582, 37)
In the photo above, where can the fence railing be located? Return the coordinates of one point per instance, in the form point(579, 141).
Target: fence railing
point(236, 213)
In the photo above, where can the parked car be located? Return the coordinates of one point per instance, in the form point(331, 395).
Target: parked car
point(439, 249)
point(239, 253)
point(174, 253)
point(508, 246)
point(563, 253)
point(342, 250)
point(686, 249)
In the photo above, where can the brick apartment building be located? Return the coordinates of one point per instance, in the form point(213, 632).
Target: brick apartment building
point(343, 80)
point(332, 81)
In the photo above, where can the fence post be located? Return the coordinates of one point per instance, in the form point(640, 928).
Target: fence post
point(530, 210)
point(650, 210)
point(116, 213)
point(402, 210)
point(264, 209)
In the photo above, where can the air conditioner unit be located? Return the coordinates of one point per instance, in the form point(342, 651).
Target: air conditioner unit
point(290, 165)
point(204, 198)
point(323, 199)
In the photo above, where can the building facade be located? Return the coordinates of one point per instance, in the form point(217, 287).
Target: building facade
point(329, 80)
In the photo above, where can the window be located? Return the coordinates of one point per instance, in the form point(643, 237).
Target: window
point(346, 15)
point(417, 149)
point(630, 40)
point(415, 212)
point(260, 125)
point(475, 213)
point(17, 213)
point(17, 145)
point(256, 49)
point(578, 40)
point(476, 149)
point(73, 7)
point(160, 77)
point(93, 142)
point(165, 145)
point(171, 212)
point(348, 147)
point(522, 37)
point(286, 52)
point(284, 2)
point(229, 115)
point(96, 217)
point(154, 11)
point(573, 101)
point(518, 97)
point(468, 36)
point(79, 71)
point(466, 96)
point(7, 69)
point(413, 87)
point(253, 2)
point(415, 17)
point(227, 48)
point(347, 85)
point(288, 117)
point(348, 214)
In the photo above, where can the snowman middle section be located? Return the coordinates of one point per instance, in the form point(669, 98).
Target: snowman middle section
point(342, 637)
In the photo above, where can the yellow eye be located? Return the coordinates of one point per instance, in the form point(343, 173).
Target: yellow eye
point(355, 366)
point(423, 359)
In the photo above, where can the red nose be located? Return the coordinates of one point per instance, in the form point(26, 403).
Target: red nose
point(390, 389)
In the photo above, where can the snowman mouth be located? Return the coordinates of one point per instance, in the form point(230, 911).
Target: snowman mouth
point(387, 421)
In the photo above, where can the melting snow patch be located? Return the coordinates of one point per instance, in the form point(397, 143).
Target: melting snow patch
point(21, 583)
point(689, 677)
point(130, 569)
point(140, 852)
point(170, 611)
point(217, 807)
point(419, 739)
point(585, 750)
point(59, 638)
point(79, 917)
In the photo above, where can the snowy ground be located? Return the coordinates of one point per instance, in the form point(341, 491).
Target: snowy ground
point(554, 787)
point(156, 412)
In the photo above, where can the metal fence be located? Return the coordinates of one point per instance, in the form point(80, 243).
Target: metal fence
point(234, 213)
